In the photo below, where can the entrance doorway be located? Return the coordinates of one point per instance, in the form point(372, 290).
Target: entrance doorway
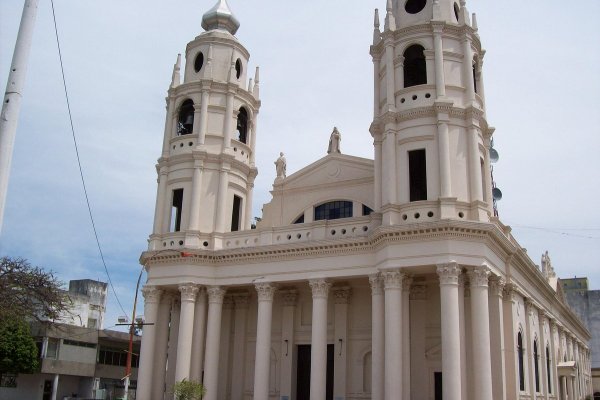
point(303, 372)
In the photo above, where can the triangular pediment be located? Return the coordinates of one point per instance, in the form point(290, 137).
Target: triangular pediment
point(331, 169)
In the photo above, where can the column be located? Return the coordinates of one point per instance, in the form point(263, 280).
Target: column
point(151, 299)
point(203, 123)
point(228, 123)
point(240, 300)
point(161, 198)
point(318, 351)
point(389, 168)
point(530, 382)
point(377, 144)
point(390, 75)
point(418, 364)
point(197, 114)
point(196, 196)
point(444, 156)
point(213, 341)
point(392, 280)
point(253, 129)
point(224, 385)
point(566, 394)
point(341, 296)
point(376, 86)
point(406, 339)
point(186, 329)
point(377, 337)
point(475, 179)
point(468, 70)
point(451, 374)
point(480, 324)
point(262, 363)
point(196, 365)
point(497, 338)
point(248, 206)
point(168, 125)
point(464, 320)
point(289, 298)
point(160, 351)
point(542, 353)
point(54, 387)
point(440, 84)
point(172, 349)
point(222, 199)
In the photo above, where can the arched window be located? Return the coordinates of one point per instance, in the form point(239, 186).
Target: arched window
point(242, 125)
point(475, 74)
point(185, 122)
point(415, 67)
point(548, 370)
point(333, 210)
point(456, 11)
point(536, 366)
point(521, 365)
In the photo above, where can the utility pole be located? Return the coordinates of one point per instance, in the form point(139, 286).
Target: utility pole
point(11, 105)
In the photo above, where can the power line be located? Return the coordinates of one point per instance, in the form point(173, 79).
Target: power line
point(561, 231)
point(87, 200)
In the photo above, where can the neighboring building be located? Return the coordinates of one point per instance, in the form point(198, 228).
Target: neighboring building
point(78, 358)
point(389, 278)
point(586, 304)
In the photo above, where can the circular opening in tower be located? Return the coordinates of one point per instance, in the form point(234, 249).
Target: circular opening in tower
point(414, 6)
point(238, 68)
point(199, 62)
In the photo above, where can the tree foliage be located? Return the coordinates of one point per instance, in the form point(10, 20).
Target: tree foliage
point(18, 352)
point(29, 292)
point(188, 390)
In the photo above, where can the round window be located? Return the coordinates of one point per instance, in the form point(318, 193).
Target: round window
point(199, 62)
point(238, 68)
point(414, 6)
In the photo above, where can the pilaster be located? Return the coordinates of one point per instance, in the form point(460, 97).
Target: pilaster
point(318, 354)
point(341, 297)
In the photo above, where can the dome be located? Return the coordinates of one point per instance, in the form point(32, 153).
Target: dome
point(220, 17)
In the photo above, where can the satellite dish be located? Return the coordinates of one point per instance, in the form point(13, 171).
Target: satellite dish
point(494, 156)
point(496, 194)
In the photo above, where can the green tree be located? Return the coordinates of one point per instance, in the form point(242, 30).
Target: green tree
point(18, 352)
point(29, 292)
point(188, 390)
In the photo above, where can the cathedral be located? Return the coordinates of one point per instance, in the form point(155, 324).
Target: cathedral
point(386, 278)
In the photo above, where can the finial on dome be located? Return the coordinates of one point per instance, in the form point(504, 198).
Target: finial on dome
point(220, 17)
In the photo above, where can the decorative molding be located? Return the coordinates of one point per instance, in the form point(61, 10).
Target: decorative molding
point(265, 291)
point(479, 276)
point(376, 282)
point(418, 292)
point(320, 288)
point(188, 292)
point(497, 285)
point(392, 279)
point(449, 273)
point(151, 294)
point(215, 294)
point(289, 297)
point(341, 295)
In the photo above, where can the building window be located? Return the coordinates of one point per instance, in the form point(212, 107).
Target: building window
point(242, 125)
point(198, 62)
point(109, 356)
point(8, 380)
point(299, 220)
point(521, 365)
point(333, 210)
point(236, 213)
point(536, 366)
point(548, 370)
point(52, 348)
point(366, 210)
point(185, 122)
point(92, 323)
point(415, 67)
point(475, 73)
point(79, 344)
point(176, 207)
point(414, 6)
point(238, 68)
point(456, 11)
point(417, 170)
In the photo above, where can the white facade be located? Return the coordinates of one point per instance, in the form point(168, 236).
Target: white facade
point(377, 279)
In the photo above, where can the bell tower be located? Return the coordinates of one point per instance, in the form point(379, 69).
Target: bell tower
point(430, 131)
point(206, 170)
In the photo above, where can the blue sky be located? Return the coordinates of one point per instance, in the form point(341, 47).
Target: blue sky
point(541, 86)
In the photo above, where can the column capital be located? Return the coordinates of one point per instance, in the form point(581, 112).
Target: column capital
point(290, 297)
point(265, 290)
point(215, 294)
point(497, 286)
point(341, 295)
point(376, 282)
point(479, 276)
point(449, 273)
point(319, 287)
point(151, 294)
point(418, 292)
point(188, 292)
point(241, 299)
point(392, 279)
